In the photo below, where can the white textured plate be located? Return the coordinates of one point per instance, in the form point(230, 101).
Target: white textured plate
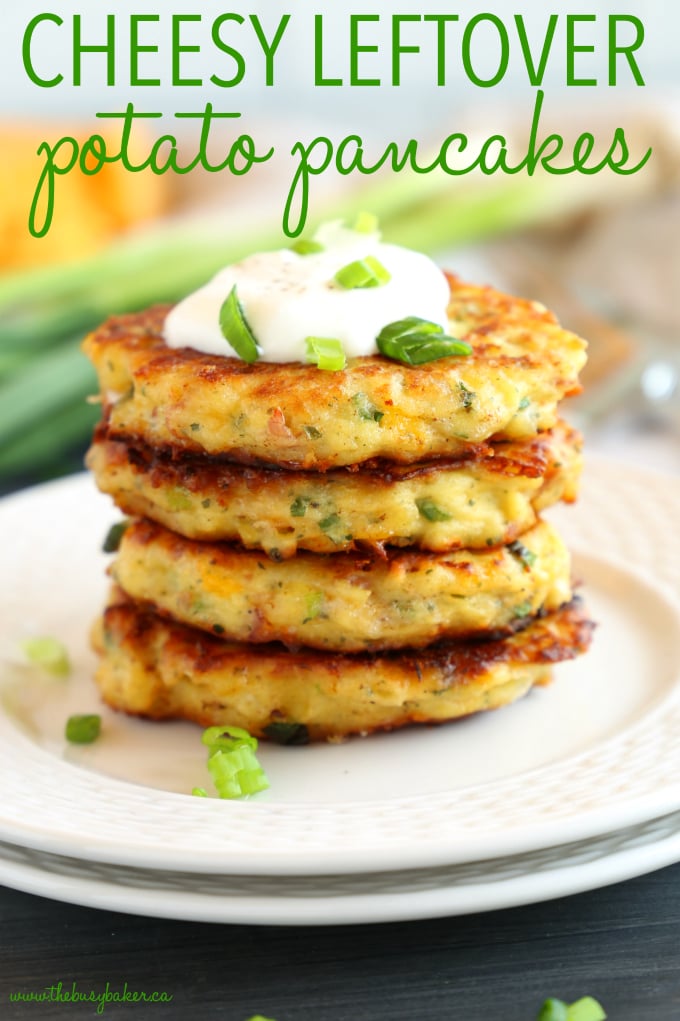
point(596, 751)
point(354, 898)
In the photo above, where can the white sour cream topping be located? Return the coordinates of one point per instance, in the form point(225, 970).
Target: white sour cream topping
point(286, 297)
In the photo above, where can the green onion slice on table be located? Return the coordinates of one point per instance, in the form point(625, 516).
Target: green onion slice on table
point(585, 1009)
point(235, 329)
point(416, 341)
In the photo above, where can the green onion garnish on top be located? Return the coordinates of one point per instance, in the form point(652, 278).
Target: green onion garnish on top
point(49, 654)
point(365, 223)
point(368, 272)
point(325, 353)
point(416, 341)
point(304, 246)
point(235, 329)
point(83, 729)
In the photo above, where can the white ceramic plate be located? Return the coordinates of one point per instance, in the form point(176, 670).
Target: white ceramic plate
point(596, 751)
point(348, 899)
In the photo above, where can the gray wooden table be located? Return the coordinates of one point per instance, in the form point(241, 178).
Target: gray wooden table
point(620, 944)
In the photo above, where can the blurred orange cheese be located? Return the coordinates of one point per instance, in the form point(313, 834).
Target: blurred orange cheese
point(89, 211)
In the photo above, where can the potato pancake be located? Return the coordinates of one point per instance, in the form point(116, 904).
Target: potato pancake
point(347, 602)
point(298, 416)
point(159, 669)
point(475, 502)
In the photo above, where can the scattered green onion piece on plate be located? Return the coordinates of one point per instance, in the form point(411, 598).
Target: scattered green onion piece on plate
point(368, 272)
point(235, 329)
point(326, 353)
point(227, 737)
point(49, 654)
point(114, 535)
point(304, 246)
point(199, 792)
point(416, 341)
point(83, 729)
point(232, 762)
point(236, 773)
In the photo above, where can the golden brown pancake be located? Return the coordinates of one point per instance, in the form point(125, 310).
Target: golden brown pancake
point(163, 670)
point(487, 498)
point(298, 416)
point(347, 602)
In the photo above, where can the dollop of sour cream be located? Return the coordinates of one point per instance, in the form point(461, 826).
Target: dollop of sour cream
point(286, 297)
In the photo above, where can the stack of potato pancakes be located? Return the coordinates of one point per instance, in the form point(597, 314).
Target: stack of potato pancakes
point(313, 554)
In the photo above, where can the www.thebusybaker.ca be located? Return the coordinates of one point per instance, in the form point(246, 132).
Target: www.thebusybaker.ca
point(61, 993)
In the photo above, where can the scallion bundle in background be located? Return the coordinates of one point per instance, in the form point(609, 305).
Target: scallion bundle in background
point(45, 422)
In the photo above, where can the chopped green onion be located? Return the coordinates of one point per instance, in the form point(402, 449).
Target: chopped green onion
point(311, 432)
point(227, 737)
point(83, 729)
point(287, 733)
point(305, 247)
point(199, 792)
point(429, 510)
point(48, 653)
point(114, 535)
point(416, 341)
point(467, 396)
point(526, 556)
point(368, 272)
point(235, 329)
point(523, 404)
point(366, 409)
point(586, 1009)
point(314, 602)
point(236, 773)
point(179, 498)
point(522, 610)
point(325, 353)
point(366, 223)
point(332, 521)
point(232, 762)
point(298, 507)
point(553, 1010)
